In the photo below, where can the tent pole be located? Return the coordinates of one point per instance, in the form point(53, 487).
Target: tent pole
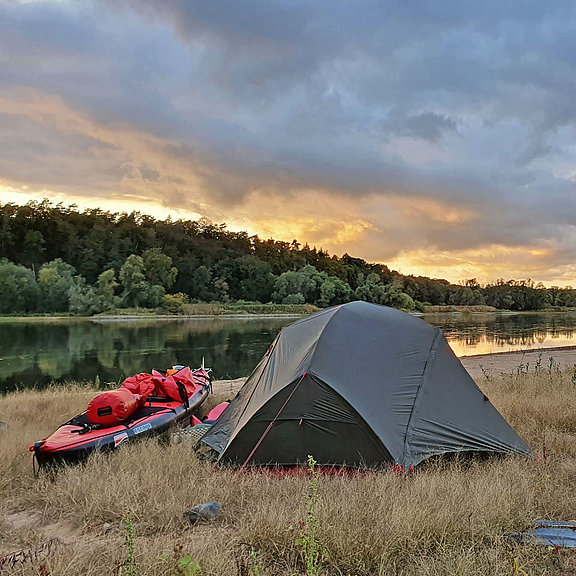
point(243, 467)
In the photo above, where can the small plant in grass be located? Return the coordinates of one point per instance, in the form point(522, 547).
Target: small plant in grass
point(517, 570)
point(311, 548)
point(256, 568)
point(249, 563)
point(538, 365)
point(129, 567)
point(551, 365)
point(188, 567)
point(485, 372)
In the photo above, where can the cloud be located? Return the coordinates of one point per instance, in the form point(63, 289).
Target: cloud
point(385, 130)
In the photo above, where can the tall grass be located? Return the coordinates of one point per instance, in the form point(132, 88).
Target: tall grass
point(221, 309)
point(447, 518)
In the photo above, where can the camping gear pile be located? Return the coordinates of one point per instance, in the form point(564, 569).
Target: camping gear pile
point(359, 385)
point(145, 404)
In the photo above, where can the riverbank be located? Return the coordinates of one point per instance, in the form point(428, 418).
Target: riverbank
point(448, 517)
point(520, 361)
point(187, 311)
point(257, 310)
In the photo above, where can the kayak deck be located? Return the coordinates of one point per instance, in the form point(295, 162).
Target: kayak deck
point(77, 438)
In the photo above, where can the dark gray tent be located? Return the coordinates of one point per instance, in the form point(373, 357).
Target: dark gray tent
point(359, 385)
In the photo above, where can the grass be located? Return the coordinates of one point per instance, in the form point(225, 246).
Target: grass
point(248, 308)
point(447, 518)
point(194, 309)
point(221, 309)
point(450, 308)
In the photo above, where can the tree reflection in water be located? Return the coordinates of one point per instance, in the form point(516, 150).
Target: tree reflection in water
point(39, 351)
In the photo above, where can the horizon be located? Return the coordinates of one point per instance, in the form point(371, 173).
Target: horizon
point(437, 140)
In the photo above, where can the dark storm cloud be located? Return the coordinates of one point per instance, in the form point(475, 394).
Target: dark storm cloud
point(426, 125)
point(466, 104)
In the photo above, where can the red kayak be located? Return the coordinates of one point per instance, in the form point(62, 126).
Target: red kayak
point(145, 405)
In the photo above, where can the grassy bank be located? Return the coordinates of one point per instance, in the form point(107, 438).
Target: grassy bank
point(445, 519)
point(462, 309)
point(248, 308)
point(199, 309)
point(218, 309)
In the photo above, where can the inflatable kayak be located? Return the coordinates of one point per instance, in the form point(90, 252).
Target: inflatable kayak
point(145, 405)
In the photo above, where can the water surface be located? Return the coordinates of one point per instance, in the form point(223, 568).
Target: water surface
point(36, 352)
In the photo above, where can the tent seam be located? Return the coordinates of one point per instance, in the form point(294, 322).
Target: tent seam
point(320, 335)
point(376, 438)
point(429, 359)
point(333, 309)
point(274, 344)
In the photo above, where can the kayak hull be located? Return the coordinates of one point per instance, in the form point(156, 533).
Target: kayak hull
point(76, 439)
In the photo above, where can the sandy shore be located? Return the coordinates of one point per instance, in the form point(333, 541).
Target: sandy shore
point(510, 362)
point(478, 366)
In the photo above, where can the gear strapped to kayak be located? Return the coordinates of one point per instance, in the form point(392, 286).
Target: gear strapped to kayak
point(145, 404)
point(113, 407)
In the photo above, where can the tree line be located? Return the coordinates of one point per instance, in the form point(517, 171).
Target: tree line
point(56, 258)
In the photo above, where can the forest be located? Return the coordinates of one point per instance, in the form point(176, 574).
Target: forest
point(60, 259)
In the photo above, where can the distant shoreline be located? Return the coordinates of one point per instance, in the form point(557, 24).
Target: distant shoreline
point(262, 314)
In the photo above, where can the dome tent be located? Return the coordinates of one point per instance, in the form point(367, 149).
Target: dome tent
point(359, 385)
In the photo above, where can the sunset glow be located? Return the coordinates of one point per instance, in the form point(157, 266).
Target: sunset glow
point(439, 142)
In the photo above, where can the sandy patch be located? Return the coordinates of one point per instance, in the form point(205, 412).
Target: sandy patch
point(521, 360)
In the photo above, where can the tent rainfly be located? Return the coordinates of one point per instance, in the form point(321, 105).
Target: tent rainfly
point(359, 385)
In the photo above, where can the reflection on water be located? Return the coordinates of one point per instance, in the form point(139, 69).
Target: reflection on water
point(471, 334)
point(37, 352)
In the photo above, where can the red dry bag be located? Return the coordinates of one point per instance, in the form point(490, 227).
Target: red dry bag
point(113, 407)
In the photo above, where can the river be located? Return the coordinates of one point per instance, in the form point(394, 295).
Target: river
point(36, 352)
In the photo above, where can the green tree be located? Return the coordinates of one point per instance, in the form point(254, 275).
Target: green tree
point(133, 281)
point(34, 244)
point(466, 296)
point(307, 281)
point(175, 303)
point(393, 296)
point(373, 290)
point(82, 298)
point(55, 280)
point(105, 290)
point(154, 296)
point(256, 279)
point(220, 293)
point(334, 291)
point(158, 268)
point(307, 285)
point(137, 291)
point(19, 291)
point(201, 284)
point(295, 298)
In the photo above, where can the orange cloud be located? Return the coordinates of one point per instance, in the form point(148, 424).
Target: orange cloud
point(136, 153)
point(311, 216)
point(486, 264)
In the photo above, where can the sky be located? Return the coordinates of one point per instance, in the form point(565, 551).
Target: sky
point(438, 138)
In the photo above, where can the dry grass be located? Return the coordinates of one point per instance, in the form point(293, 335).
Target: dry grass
point(445, 519)
point(472, 308)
